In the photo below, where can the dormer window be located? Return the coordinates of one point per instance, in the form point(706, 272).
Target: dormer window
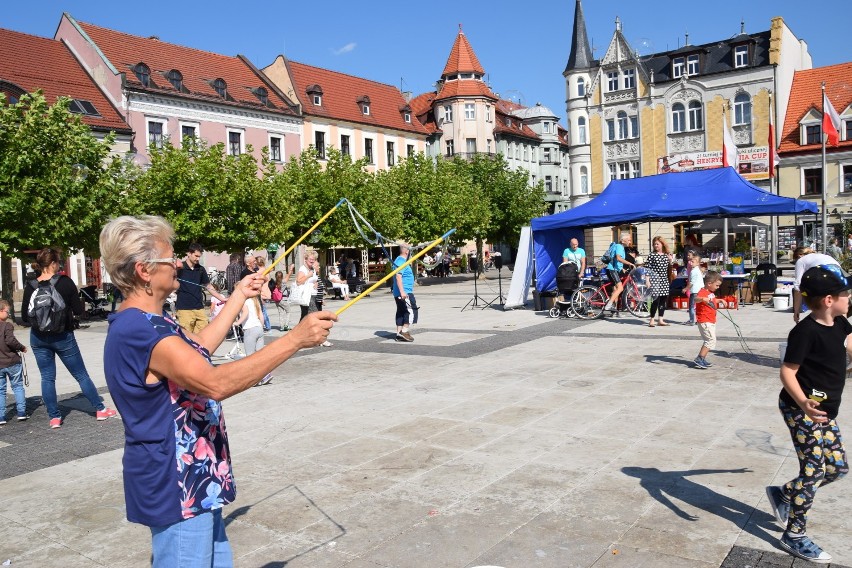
point(79, 106)
point(176, 79)
point(692, 65)
point(143, 74)
point(317, 100)
point(364, 103)
point(678, 64)
point(262, 94)
point(406, 113)
point(315, 94)
point(221, 88)
point(741, 56)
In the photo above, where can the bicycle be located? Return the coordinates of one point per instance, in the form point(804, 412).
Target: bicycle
point(217, 278)
point(588, 301)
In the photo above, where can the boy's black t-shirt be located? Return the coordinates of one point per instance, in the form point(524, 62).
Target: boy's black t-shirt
point(820, 352)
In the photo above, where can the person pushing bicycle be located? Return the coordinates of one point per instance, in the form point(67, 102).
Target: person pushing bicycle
point(617, 262)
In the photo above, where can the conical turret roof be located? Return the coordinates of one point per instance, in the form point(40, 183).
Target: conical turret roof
point(462, 58)
point(581, 54)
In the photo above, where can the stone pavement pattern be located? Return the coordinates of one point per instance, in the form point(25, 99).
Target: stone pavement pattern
point(496, 438)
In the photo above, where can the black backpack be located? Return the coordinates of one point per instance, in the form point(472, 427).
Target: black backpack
point(47, 311)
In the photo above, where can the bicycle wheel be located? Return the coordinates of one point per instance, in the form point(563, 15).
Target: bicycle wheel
point(637, 304)
point(588, 302)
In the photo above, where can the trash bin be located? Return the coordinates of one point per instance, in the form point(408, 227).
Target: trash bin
point(780, 301)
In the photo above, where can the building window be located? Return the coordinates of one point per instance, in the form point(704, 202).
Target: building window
point(471, 145)
point(584, 180)
point(143, 74)
point(548, 184)
point(262, 95)
point(612, 81)
point(487, 113)
point(581, 87)
point(448, 113)
point(634, 169)
point(623, 131)
point(450, 148)
point(741, 56)
point(469, 111)
point(613, 172)
point(742, 109)
point(696, 116)
point(319, 144)
point(847, 178)
point(624, 170)
point(390, 152)
point(634, 126)
point(581, 129)
point(677, 67)
point(546, 127)
point(368, 150)
point(813, 134)
point(188, 131)
point(534, 179)
point(365, 108)
point(176, 79)
point(847, 126)
point(344, 144)
point(546, 157)
point(235, 143)
point(610, 128)
point(692, 65)
point(678, 118)
point(406, 116)
point(410, 150)
point(629, 76)
point(221, 87)
point(317, 100)
point(488, 145)
point(156, 134)
point(813, 181)
point(526, 153)
point(275, 148)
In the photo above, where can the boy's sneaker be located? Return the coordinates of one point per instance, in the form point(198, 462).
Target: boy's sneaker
point(402, 337)
point(699, 362)
point(407, 336)
point(780, 505)
point(706, 362)
point(55, 423)
point(804, 548)
point(3, 420)
point(608, 307)
point(105, 414)
point(22, 417)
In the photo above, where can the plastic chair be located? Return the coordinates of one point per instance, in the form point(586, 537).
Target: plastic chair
point(766, 279)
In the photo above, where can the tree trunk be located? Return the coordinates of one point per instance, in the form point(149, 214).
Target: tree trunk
point(8, 290)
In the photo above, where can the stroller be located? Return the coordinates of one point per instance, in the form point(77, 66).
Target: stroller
point(567, 282)
point(96, 306)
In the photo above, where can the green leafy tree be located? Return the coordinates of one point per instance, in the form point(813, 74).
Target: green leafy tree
point(224, 202)
point(58, 183)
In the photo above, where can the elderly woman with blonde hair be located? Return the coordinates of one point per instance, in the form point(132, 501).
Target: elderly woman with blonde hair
point(177, 465)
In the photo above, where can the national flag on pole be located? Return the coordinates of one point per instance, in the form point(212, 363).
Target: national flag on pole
point(771, 142)
point(729, 149)
point(830, 121)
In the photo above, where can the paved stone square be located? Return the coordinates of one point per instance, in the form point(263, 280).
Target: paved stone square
point(495, 439)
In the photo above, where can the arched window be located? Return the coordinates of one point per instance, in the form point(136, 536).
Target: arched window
point(584, 180)
point(581, 130)
point(221, 87)
point(176, 79)
point(678, 117)
point(581, 87)
point(143, 74)
point(742, 109)
point(696, 116)
point(623, 128)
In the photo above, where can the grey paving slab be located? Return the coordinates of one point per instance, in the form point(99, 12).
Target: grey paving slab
point(497, 438)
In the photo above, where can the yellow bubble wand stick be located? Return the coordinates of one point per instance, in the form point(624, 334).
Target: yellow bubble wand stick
point(348, 304)
point(303, 237)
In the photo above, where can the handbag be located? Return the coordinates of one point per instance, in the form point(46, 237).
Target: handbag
point(277, 295)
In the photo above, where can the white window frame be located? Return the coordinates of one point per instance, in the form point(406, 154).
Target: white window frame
point(623, 123)
point(581, 87)
point(612, 81)
point(581, 130)
point(488, 145)
point(741, 109)
point(371, 159)
point(451, 149)
point(467, 145)
point(678, 67)
point(448, 113)
point(242, 133)
point(546, 127)
point(681, 121)
point(629, 78)
point(365, 108)
point(317, 99)
point(469, 111)
point(165, 136)
point(741, 56)
point(692, 65)
point(695, 115)
point(406, 116)
point(196, 126)
point(390, 152)
point(584, 180)
point(487, 113)
point(280, 137)
point(322, 154)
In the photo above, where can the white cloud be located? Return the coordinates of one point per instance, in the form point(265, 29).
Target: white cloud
point(345, 49)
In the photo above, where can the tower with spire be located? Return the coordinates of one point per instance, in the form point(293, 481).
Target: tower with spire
point(578, 77)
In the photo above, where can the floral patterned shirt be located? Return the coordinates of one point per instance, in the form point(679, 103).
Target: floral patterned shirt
point(176, 458)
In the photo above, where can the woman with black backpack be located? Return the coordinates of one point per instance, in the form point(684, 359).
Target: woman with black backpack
point(49, 305)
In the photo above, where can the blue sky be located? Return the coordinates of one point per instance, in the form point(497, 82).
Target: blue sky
point(523, 47)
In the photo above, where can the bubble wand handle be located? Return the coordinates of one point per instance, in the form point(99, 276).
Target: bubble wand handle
point(431, 245)
point(303, 237)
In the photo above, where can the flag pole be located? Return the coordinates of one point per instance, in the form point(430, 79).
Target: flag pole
point(773, 241)
point(303, 237)
point(824, 176)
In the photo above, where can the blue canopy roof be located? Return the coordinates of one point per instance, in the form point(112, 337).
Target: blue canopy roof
point(701, 194)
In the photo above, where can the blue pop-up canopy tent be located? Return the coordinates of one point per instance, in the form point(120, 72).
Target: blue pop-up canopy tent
point(719, 192)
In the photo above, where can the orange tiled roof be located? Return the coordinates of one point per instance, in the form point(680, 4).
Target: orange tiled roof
point(198, 68)
point(462, 58)
point(465, 88)
point(32, 62)
point(806, 94)
point(340, 94)
point(504, 123)
point(421, 106)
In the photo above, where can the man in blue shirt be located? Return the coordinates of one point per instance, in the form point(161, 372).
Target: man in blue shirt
point(576, 255)
point(614, 267)
point(403, 288)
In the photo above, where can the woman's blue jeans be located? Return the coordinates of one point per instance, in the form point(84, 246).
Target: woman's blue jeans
point(198, 542)
point(16, 379)
point(45, 347)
